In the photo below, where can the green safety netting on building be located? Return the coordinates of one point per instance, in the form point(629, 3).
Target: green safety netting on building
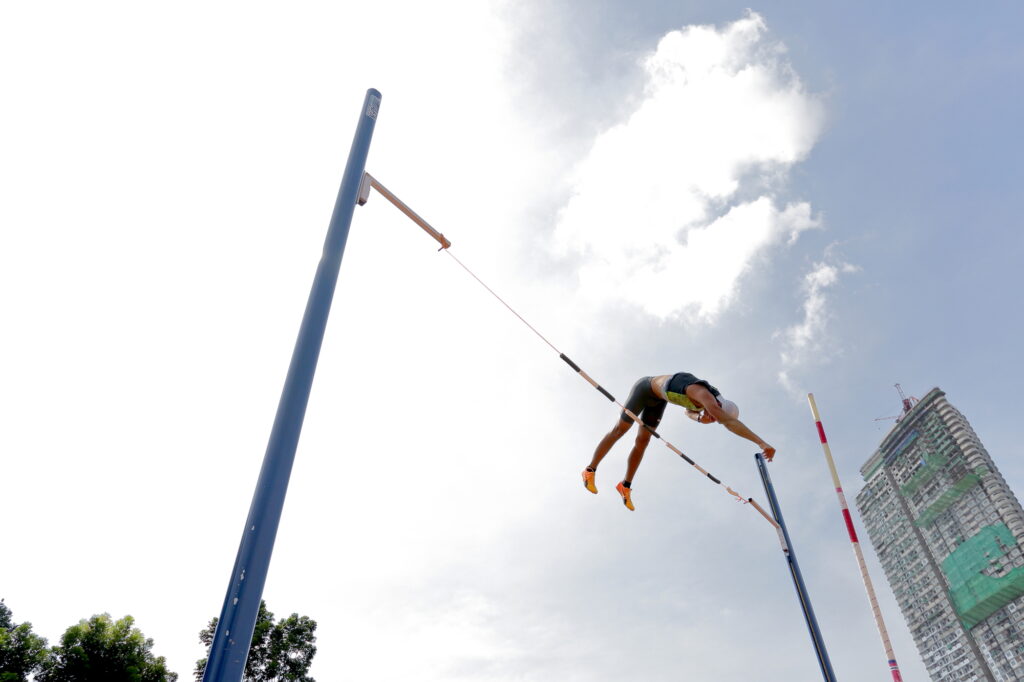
point(931, 465)
point(976, 595)
point(946, 499)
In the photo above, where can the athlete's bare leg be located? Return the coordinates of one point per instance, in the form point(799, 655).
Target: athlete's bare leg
point(637, 454)
point(610, 438)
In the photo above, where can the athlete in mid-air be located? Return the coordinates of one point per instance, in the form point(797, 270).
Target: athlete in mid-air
point(703, 403)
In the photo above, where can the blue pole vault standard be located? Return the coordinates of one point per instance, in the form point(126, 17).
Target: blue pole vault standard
point(794, 569)
point(237, 621)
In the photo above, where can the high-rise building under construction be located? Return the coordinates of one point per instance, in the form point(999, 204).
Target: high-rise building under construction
point(948, 532)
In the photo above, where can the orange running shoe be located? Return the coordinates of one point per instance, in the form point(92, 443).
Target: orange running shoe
point(625, 492)
point(588, 481)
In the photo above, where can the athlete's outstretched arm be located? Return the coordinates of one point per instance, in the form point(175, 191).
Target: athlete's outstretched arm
point(705, 398)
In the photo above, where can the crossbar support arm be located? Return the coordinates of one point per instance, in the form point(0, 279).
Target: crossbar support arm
point(364, 194)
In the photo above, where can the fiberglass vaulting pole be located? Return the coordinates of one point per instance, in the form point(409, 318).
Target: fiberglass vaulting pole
point(794, 569)
point(237, 621)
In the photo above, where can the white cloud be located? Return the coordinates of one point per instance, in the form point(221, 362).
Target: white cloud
point(669, 208)
point(802, 341)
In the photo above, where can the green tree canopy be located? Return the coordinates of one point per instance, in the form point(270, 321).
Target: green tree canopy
point(280, 652)
point(101, 649)
point(21, 651)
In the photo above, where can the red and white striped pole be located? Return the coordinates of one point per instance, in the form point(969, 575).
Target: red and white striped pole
point(893, 666)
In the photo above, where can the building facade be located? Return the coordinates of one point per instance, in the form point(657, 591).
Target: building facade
point(948, 532)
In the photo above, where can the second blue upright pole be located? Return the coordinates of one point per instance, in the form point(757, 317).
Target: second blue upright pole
point(798, 580)
point(230, 646)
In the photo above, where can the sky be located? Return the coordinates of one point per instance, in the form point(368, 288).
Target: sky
point(781, 198)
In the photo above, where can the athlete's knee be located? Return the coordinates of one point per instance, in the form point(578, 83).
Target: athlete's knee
point(620, 428)
point(643, 436)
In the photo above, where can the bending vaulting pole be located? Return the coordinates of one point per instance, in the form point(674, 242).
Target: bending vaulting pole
point(794, 570)
point(894, 667)
point(237, 621)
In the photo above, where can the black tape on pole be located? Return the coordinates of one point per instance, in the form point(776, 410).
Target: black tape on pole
point(579, 371)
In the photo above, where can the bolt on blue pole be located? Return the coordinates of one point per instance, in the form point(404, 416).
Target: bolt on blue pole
point(237, 621)
point(798, 580)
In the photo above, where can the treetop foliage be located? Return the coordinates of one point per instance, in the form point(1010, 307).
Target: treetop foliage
point(22, 652)
point(101, 648)
point(280, 652)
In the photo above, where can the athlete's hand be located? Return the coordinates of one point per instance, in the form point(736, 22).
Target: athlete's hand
point(769, 452)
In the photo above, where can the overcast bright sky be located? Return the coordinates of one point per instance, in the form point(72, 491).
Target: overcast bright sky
point(783, 200)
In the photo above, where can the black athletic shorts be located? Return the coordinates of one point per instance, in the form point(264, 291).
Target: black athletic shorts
point(644, 403)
